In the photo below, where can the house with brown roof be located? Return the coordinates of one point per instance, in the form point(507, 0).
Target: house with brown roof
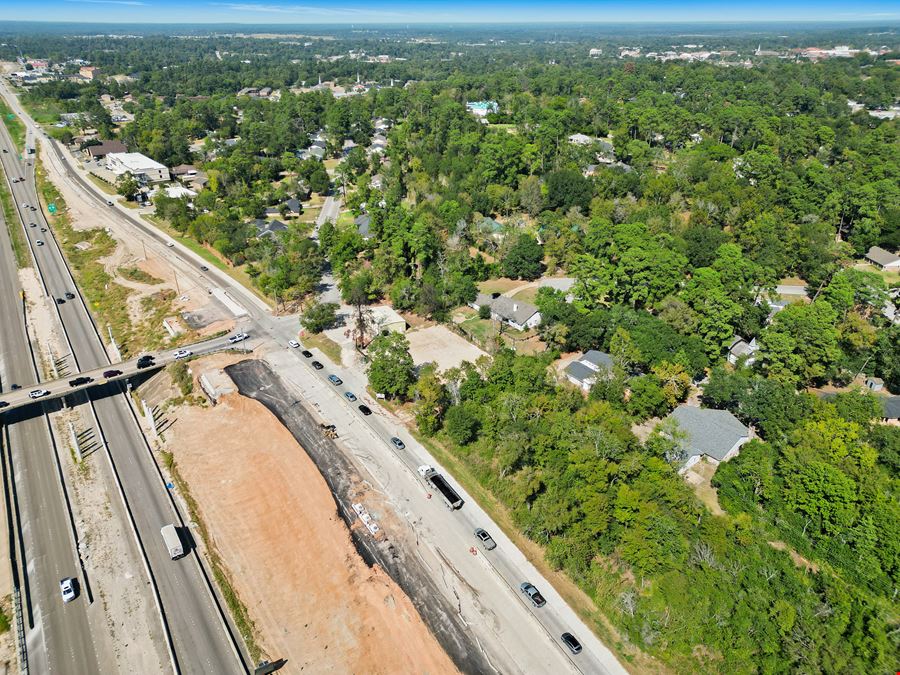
point(106, 147)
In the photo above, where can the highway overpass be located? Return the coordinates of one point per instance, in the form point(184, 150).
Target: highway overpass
point(27, 395)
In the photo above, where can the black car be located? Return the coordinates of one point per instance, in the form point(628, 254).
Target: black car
point(204, 268)
point(78, 381)
point(570, 642)
point(70, 296)
point(60, 301)
point(317, 365)
point(16, 386)
point(3, 404)
point(306, 353)
point(111, 373)
point(32, 224)
point(145, 361)
point(365, 410)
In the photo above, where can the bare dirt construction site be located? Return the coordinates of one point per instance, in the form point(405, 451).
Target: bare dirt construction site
point(274, 524)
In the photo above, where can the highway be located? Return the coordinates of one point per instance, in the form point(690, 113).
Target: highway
point(57, 634)
point(104, 375)
point(535, 631)
point(201, 637)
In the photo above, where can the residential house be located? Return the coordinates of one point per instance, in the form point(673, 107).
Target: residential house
point(883, 259)
point(716, 435)
point(606, 152)
point(144, 169)
point(376, 182)
point(362, 225)
point(266, 228)
point(580, 139)
point(595, 53)
point(90, 73)
point(891, 410)
point(106, 147)
point(174, 191)
point(386, 318)
point(347, 147)
point(584, 370)
point(561, 284)
point(516, 313)
point(183, 171)
point(316, 151)
point(740, 348)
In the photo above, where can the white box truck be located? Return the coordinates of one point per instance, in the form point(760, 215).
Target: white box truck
point(173, 541)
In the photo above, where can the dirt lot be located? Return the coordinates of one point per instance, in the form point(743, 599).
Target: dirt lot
point(441, 346)
point(275, 525)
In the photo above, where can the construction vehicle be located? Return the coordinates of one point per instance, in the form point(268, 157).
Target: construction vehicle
point(329, 430)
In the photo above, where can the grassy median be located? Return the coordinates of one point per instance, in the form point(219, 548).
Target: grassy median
point(16, 236)
point(14, 125)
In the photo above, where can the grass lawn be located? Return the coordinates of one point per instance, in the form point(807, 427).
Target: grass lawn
point(481, 330)
point(102, 184)
point(236, 273)
point(890, 277)
point(16, 236)
point(345, 218)
point(526, 295)
point(499, 285)
point(14, 125)
point(326, 345)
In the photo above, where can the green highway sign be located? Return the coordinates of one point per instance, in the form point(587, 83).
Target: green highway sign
point(10, 116)
point(51, 208)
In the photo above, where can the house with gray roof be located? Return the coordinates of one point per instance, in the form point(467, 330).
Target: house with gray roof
point(266, 228)
point(740, 348)
point(716, 435)
point(516, 313)
point(891, 410)
point(883, 259)
point(583, 371)
point(362, 225)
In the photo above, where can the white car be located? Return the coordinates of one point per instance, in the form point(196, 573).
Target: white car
point(170, 244)
point(67, 588)
point(38, 393)
point(294, 344)
point(182, 353)
point(238, 337)
point(39, 242)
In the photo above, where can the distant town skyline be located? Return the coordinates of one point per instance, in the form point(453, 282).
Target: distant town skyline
point(441, 11)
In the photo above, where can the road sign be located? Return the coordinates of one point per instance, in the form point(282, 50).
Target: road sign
point(10, 116)
point(51, 208)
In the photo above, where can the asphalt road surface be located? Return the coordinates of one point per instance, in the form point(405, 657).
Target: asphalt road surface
point(201, 635)
point(57, 634)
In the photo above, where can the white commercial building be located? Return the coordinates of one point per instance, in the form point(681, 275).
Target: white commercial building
point(144, 169)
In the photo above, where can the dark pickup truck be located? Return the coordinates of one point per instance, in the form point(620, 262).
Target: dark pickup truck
point(437, 481)
point(78, 381)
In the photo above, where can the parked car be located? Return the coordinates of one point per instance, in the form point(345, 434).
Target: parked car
point(350, 396)
point(533, 594)
point(486, 540)
point(182, 354)
point(400, 445)
point(38, 393)
point(317, 365)
point(78, 381)
point(306, 353)
point(294, 344)
point(365, 410)
point(67, 589)
point(145, 361)
point(335, 380)
point(569, 641)
point(111, 373)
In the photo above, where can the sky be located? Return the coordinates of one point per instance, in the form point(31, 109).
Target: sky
point(300, 12)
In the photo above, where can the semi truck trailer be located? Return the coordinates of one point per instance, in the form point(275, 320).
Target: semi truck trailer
point(435, 480)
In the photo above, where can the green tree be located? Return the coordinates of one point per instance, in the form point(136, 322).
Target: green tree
point(127, 185)
point(461, 425)
point(801, 344)
point(319, 316)
point(390, 365)
point(431, 399)
point(524, 259)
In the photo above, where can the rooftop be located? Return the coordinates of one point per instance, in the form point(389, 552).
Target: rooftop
point(708, 431)
point(881, 256)
point(578, 371)
point(135, 161)
point(508, 309)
